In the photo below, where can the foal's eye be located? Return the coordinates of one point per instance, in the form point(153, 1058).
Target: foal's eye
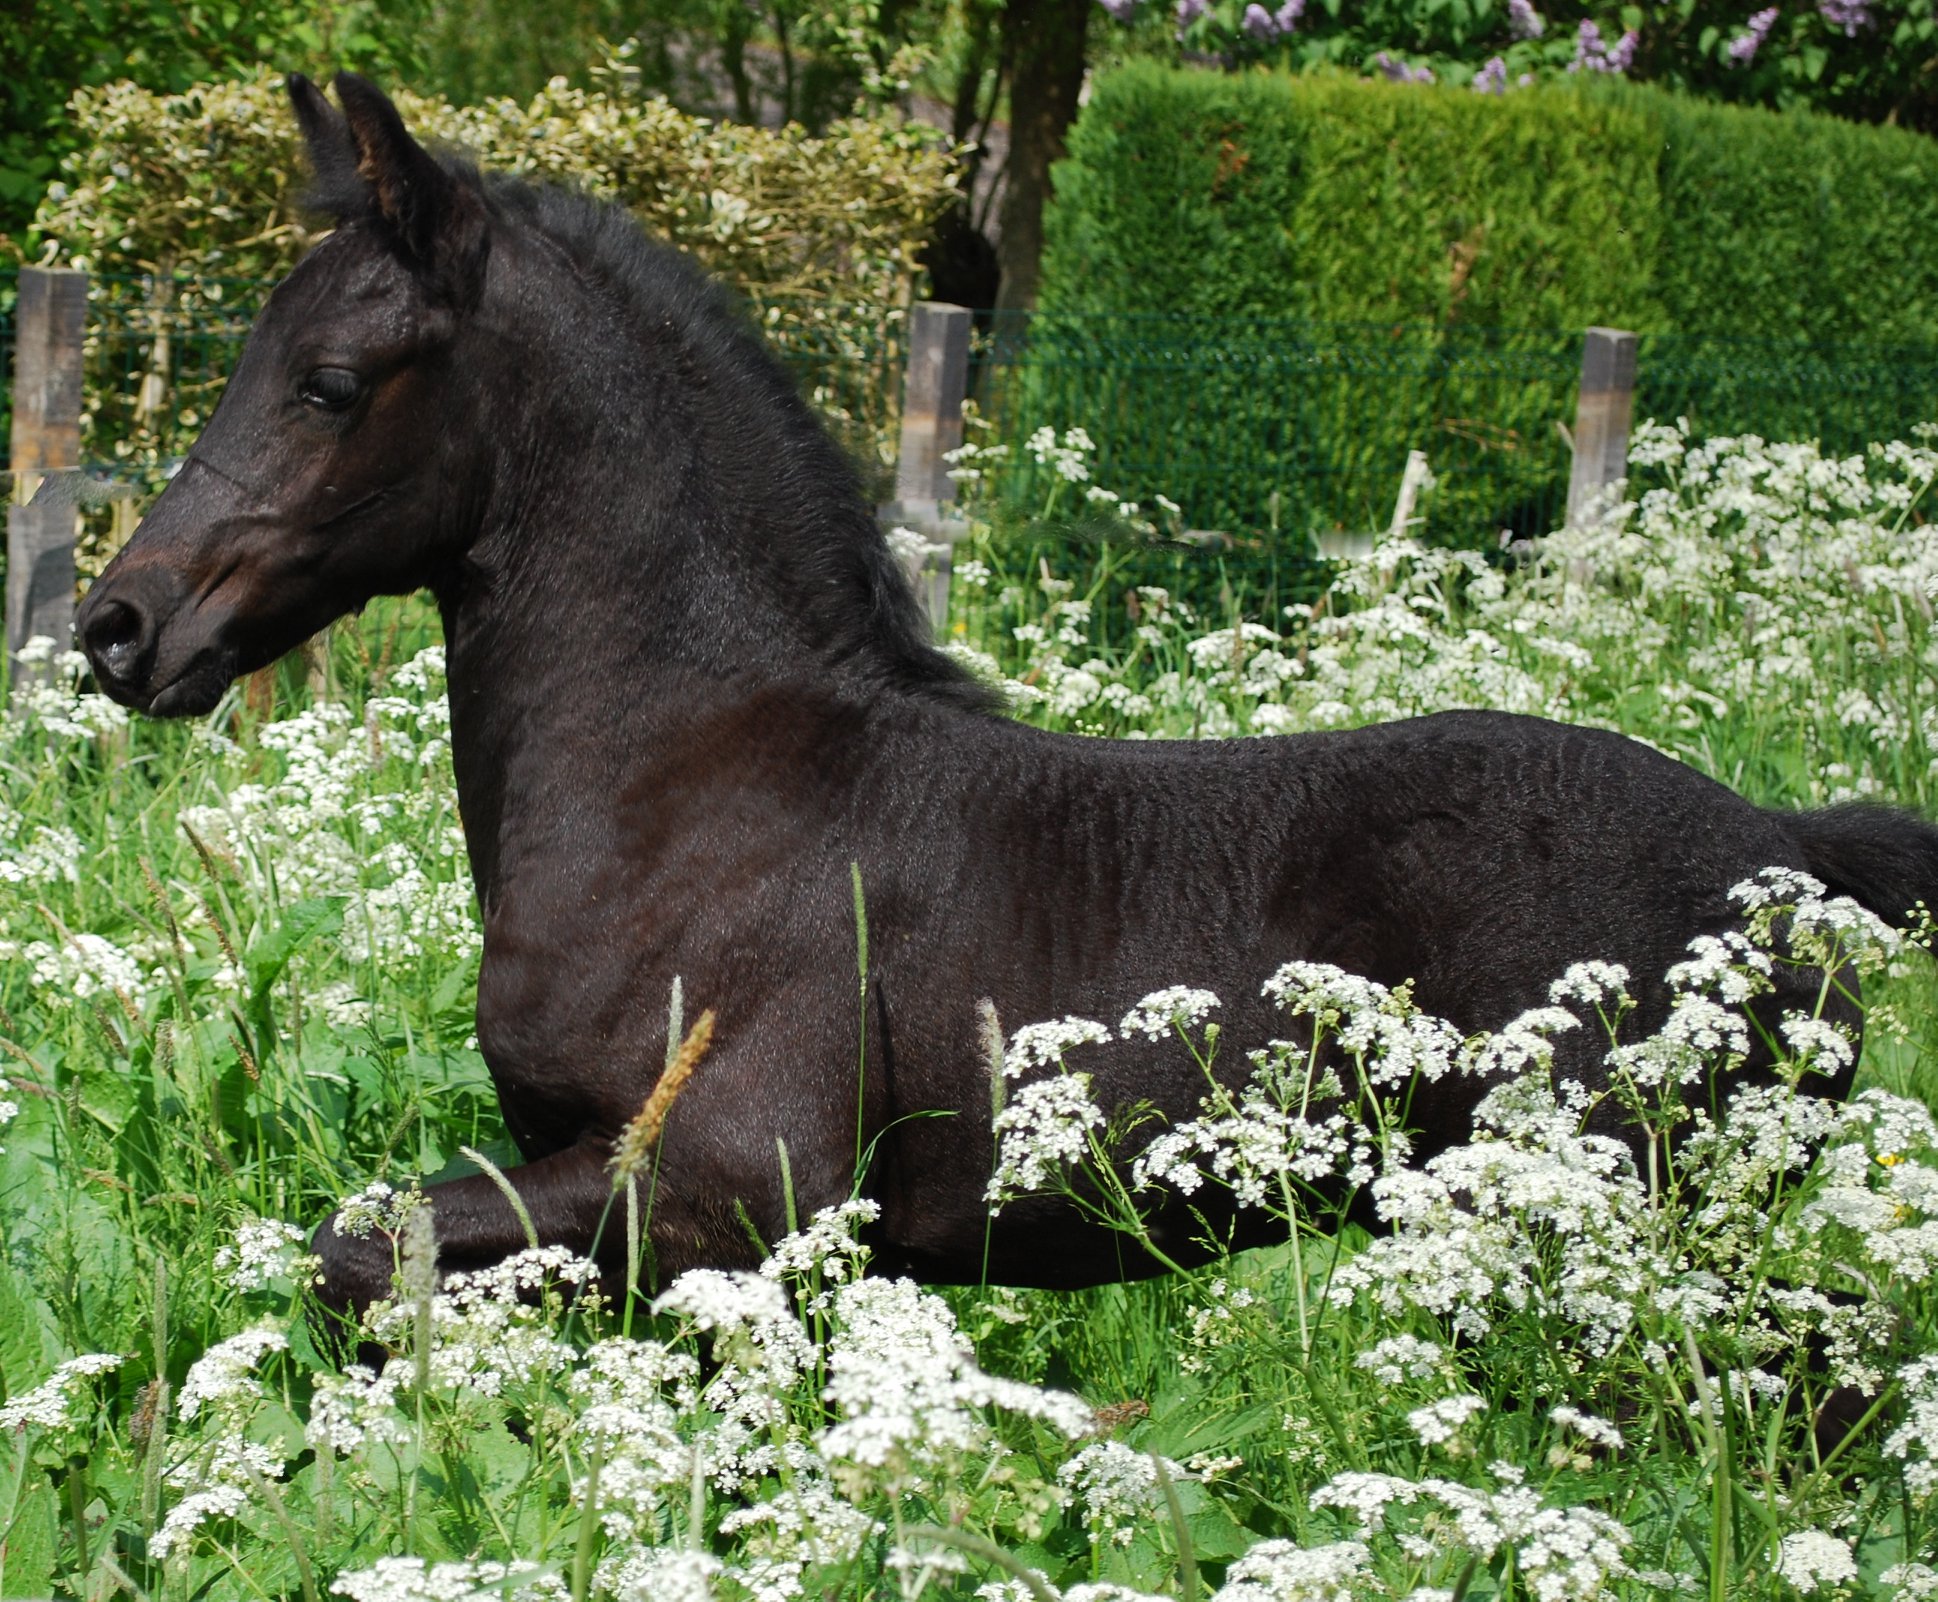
point(331, 388)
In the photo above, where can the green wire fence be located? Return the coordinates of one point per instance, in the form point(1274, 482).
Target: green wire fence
point(1265, 434)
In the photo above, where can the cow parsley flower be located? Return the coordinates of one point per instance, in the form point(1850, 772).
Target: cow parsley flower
point(1596, 1431)
point(1916, 1440)
point(411, 1579)
point(749, 1316)
point(1440, 1423)
point(903, 1382)
point(225, 1373)
point(379, 1205)
point(222, 1501)
point(1398, 1358)
point(1043, 1045)
point(1117, 1488)
point(1914, 1582)
point(1162, 1012)
point(1044, 1128)
point(1283, 1571)
point(667, 1574)
point(50, 1405)
point(1812, 1561)
point(263, 1249)
point(827, 1246)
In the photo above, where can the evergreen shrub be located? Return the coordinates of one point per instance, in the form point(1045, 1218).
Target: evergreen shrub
point(182, 205)
point(1401, 267)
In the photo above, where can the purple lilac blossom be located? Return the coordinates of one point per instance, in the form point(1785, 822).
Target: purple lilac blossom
point(1588, 47)
point(1850, 15)
point(1492, 78)
point(1400, 72)
point(1190, 10)
point(1523, 21)
point(1258, 21)
point(1120, 9)
point(1287, 16)
point(1592, 55)
point(1743, 48)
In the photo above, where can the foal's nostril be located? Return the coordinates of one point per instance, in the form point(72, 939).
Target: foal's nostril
point(112, 638)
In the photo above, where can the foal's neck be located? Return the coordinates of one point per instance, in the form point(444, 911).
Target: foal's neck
point(657, 572)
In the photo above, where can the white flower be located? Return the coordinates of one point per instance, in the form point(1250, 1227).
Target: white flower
point(226, 1371)
point(1590, 1428)
point(1044, 1128)
point(261, 1251)
point(1916, 1440)
point(1162, 1012)
point(1811, 1560)
point(1440, 1423)
point(50, 1405)
point(827, 1245)
point(224, 1501)
point(1117, 1488)
point(1401, 1357)
point(411, 1579)
point(667, 1574)
point(1915, 1582)
point(750, 1318)
point(1283, 1571)
point(1592, 984)
point(1043, 1045)
point(379, 1206)
point(905, 1387)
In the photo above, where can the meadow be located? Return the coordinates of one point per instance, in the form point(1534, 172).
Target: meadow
point(239, 960)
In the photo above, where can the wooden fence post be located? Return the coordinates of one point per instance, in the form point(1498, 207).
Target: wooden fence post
point(1602, 415)
point(50, 323)
point(934, 385)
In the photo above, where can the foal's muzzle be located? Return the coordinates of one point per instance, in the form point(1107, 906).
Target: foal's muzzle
point(120, 627)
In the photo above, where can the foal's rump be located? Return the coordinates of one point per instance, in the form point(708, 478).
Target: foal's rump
point(1480, 854)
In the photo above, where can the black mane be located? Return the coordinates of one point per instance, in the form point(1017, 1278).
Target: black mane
point(831, 551)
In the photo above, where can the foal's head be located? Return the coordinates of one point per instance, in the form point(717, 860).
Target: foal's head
point(336, 466)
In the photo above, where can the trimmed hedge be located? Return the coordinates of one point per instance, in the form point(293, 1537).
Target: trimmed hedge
point(1423, 216)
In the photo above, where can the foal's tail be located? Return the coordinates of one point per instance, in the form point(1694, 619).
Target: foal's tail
point(1884, 858)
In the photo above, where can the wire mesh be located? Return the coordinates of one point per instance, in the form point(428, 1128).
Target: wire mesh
point(9, 295)
point(1290, 429)
point(1266, 433)
point(1842, 396)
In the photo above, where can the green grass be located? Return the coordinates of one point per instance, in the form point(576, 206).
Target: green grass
point(240, 965)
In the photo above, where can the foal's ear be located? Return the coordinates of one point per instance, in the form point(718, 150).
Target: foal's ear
point(436, 220)
point(333, 153)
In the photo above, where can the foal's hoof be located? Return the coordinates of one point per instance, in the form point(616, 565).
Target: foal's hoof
point(353, 1272)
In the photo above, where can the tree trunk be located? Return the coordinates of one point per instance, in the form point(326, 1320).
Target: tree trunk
point(1043, 45)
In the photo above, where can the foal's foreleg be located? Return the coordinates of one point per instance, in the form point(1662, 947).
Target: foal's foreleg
point(565, 1195)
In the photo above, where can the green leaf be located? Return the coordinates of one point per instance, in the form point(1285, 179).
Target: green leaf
point(1187, 1430)
point(1215, 1532)
point(269, 954)
point(450, 990)
point(30, 1513)
point(27, 1349)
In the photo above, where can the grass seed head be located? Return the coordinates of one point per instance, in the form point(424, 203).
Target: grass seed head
point(636, 1142)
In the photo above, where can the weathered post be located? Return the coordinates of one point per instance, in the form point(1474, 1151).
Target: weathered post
point(1602, 415)
point(50, 324)
point(934, 384)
